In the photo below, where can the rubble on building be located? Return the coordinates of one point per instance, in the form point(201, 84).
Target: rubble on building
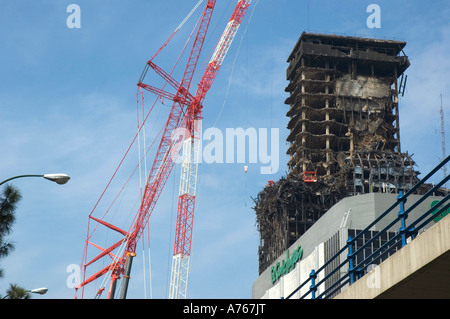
point(343, 132)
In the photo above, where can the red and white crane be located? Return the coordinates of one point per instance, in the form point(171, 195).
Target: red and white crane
point(182, 131)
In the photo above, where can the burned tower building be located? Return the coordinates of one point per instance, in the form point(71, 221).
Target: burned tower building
point(344, 136)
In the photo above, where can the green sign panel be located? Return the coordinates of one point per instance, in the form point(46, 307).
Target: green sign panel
point(285, 266)
point(441, 215)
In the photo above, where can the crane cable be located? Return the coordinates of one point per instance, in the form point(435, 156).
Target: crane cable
point(234, 62)
point(178, 28)
point(142, 76)
point(134, 140)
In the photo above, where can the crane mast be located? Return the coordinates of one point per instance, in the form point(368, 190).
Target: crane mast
point(181, 131)
point(189, 165)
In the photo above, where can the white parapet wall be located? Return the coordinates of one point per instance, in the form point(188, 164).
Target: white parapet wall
point(421, 269)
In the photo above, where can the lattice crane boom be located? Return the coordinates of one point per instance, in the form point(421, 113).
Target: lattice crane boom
point(185, 113)
point(164, 159)
point(222, 48)
point(189, 167)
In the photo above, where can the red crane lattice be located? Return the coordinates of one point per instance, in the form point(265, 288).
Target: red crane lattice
point(185, 113)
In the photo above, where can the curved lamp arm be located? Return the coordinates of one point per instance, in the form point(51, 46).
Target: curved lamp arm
point(57, 178)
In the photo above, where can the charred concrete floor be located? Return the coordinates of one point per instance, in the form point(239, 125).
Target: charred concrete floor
point(343, 132)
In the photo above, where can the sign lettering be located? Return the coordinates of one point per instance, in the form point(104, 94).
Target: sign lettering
point(286, 265)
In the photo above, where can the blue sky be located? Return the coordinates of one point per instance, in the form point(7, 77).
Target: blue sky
point(68, 104)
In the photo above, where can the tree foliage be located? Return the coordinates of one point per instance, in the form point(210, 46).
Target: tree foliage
point(16, 292)
point(9, 199)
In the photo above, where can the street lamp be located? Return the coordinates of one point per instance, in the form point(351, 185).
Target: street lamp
point(57, 178)
point(40, 291)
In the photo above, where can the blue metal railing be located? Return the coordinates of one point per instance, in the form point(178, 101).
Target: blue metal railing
point(355, 271)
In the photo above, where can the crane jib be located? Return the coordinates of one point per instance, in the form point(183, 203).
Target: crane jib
point(185, 109)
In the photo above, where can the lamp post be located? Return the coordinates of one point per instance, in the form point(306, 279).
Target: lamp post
point(57, 178)
point(39, 291)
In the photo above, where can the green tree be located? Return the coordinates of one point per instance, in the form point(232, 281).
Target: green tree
point(8, 203)
point(9, 198)
point(16, 292)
